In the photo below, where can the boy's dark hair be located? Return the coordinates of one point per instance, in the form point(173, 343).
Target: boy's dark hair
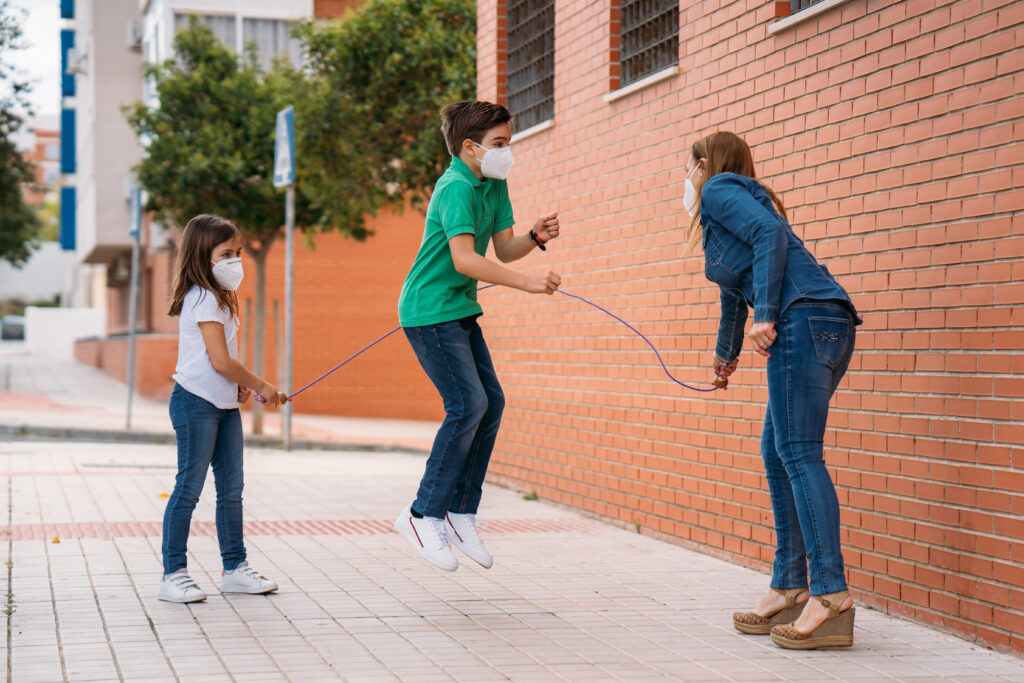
point(468, 120)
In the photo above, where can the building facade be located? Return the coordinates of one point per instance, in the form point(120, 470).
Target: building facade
point(893, 131)
point(331, 320)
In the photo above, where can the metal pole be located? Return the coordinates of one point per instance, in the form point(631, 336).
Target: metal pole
point(289, 266)
point(133, 297)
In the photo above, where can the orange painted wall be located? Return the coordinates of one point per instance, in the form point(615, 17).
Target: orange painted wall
point(346, 296)
point(893, 132)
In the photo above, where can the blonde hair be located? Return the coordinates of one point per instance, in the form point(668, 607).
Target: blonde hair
point(722, 152)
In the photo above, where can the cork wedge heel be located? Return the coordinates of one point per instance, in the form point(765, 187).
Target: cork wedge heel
point(835, 631)
point(748, 622)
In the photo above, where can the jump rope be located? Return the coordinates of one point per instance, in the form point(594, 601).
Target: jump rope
point(720, 381)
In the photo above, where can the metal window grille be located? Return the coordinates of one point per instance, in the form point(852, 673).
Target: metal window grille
point(650, 37)
point(531, 61)
point(797, 5)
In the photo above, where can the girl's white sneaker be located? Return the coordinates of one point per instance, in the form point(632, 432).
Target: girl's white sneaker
point(245, 579)
point(179, 587)
point(462, 531)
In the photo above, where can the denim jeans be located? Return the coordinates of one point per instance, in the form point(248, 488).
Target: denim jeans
point(455, 357)
point(810, 355)
point(206, 436)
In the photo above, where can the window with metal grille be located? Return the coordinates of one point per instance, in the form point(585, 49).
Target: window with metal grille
point(650, 38)
point(531, 61)
point(797, 5)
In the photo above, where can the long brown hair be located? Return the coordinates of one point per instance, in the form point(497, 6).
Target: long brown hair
point(722, 152)
point(195, 268)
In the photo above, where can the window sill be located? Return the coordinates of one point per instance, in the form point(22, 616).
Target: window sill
point(628, 90)
point(533, 130)
point(804, 14)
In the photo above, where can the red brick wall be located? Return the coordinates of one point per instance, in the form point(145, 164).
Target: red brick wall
point(893, 132)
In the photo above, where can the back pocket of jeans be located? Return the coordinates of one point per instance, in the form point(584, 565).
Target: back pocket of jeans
point(830, 337)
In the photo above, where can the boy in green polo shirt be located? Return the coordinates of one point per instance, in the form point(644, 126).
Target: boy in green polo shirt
point(438, 311)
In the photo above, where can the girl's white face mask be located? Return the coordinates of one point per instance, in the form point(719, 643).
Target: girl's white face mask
point(690, 193)
point(228, 273)
point(497, 161)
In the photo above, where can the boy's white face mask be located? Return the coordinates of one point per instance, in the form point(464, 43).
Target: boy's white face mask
point(497, 161)
point(228, 273)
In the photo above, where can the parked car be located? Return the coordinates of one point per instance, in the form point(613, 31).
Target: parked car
point(12, 327)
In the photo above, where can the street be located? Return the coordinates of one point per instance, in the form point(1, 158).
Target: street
point(569, 598)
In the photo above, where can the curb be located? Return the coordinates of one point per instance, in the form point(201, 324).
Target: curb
point(251, 440)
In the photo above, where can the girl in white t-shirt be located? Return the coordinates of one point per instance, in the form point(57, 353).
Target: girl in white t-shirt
point(210, 384)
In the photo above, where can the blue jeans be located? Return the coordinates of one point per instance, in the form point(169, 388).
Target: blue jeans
point(206, 436)
point(810, 355)
point(455, 357)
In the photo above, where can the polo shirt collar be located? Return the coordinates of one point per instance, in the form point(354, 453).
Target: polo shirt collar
point(460, 167)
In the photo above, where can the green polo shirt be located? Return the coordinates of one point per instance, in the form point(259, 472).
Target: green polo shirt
point(434, 292)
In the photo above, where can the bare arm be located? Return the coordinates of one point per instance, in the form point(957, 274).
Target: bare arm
point(509, 247)
point(224, 364)
point(472, 264)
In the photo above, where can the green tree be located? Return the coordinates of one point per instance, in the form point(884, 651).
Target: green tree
point(209, 148)
point(379, 78)
point(19, 225)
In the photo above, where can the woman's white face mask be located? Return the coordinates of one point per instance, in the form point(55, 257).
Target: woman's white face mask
point(690, 193)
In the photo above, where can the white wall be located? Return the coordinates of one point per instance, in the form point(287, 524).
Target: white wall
point(53, 331)
point(43, 277)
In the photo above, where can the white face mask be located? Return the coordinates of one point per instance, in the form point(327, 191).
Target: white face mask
point(690, 194)
point(228, 273)
point(497, 161)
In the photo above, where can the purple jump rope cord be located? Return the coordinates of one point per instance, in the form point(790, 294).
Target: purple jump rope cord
point(574, 296)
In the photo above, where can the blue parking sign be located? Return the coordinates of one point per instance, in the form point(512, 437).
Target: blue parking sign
point(284, 148)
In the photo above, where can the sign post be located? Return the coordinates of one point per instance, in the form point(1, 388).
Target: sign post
point(133, 297)
point(284, 176)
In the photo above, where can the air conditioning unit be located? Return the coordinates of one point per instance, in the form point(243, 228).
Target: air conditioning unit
point(78, 60)
point(133, 34)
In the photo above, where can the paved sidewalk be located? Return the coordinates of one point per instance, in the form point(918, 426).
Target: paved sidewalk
point(569, 599)
point(47, 395)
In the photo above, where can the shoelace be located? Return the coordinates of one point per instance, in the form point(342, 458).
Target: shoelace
point(439, 532)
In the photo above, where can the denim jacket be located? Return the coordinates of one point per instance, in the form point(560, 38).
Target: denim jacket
point(753, 255)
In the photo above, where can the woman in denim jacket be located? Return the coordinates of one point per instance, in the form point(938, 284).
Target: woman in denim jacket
point(804, 325)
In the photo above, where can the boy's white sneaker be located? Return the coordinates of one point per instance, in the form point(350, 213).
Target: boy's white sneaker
point(428, 536)
point(245, 579)
point(179, 587)
point(462, 531)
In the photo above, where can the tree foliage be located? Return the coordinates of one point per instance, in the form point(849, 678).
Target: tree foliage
point(378, 80)
point(209, 137)
point(19, 224)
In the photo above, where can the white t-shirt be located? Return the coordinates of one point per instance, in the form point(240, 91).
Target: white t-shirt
point(195, 372)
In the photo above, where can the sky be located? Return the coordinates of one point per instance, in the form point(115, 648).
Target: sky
point(40, 60)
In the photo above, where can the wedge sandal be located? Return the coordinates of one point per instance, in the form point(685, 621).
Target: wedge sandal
point(748, 622)
point(835, 631)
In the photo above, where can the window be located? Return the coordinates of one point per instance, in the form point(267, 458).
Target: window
point(650, 38)
point(797, 5)
point(52, 150)
point(222, 26)
point(272, 39)
point(531, 61)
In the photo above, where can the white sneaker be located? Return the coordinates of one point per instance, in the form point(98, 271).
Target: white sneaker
point(462, 531)
point(245, 579)
point(428, 536)
point(179, 587)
